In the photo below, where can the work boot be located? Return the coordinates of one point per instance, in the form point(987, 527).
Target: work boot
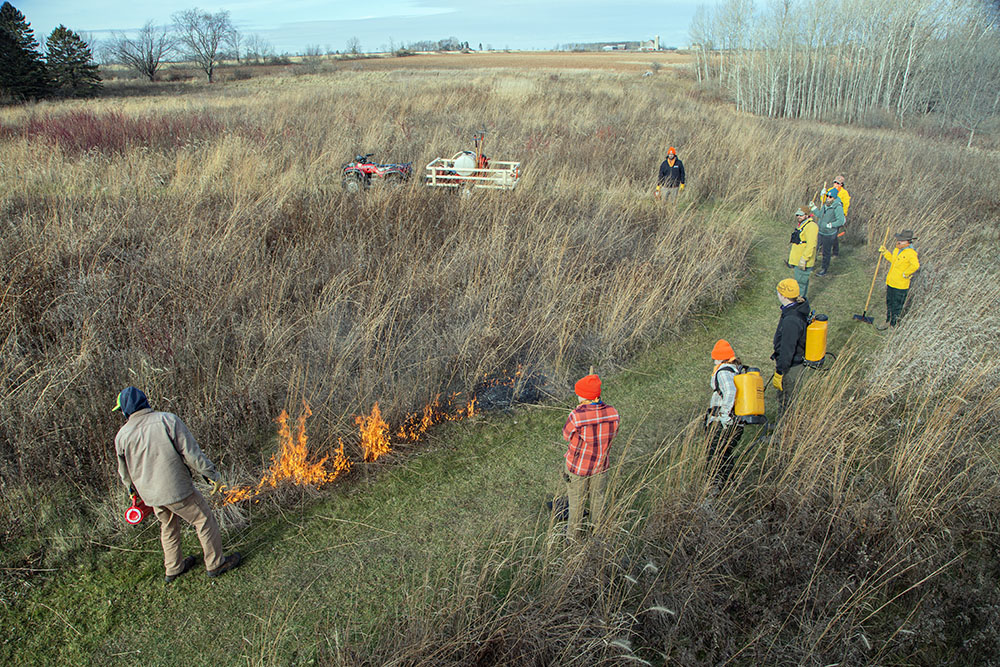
point(821, 272)
point(189, 562)
point(231, 562)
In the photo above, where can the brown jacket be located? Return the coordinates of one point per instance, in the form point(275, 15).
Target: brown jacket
point(157, 454)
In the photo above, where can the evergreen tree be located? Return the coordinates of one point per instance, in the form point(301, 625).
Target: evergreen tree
point(22, 71)
point(71, 64)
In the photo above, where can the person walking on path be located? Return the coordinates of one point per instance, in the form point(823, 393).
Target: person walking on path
point(829, 219)
point(845, 198)
point(802, 255)
point(789, 342)
point(724, 429)
point(156, 456)
point(589, 430)
point(903, 263)
point(671, 174)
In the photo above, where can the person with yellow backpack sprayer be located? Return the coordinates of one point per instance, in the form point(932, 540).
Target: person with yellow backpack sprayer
point(903, 263)
point(737, 399)
point(802, 255)
point(789, 342)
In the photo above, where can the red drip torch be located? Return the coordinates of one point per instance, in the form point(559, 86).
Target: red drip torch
point(138, 511)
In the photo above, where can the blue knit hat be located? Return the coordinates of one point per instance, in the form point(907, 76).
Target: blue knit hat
point(832, 193)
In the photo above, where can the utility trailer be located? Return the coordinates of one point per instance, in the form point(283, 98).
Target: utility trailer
point(468, 170)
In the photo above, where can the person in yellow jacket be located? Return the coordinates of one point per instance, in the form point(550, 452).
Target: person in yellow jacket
point(845, 199)
point(802, 256)
point(903, 263)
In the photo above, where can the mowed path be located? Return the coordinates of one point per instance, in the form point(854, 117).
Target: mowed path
point(348, 557)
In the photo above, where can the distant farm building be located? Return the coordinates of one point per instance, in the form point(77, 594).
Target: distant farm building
point(651, 45)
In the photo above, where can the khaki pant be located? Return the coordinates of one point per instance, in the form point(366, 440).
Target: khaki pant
point(195, 510)
point(578, 489)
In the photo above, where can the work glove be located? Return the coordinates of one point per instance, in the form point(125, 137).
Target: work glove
point(217, 486)
point(682, 186)
point(657, 195)
point(812, 207)
point(776, 381)
point(882, 248)
point(802, 264)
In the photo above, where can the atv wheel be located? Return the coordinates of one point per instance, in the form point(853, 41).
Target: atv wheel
point(353, 183)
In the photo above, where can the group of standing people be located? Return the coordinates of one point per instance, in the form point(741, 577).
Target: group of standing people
point(817, 235)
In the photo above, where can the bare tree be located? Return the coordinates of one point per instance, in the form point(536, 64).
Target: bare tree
point(235, 40)
point(354, 46)
point(144, 54)
point(257, 48)
point(202, 35)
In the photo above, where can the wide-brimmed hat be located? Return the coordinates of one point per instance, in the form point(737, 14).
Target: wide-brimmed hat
point(906, 235)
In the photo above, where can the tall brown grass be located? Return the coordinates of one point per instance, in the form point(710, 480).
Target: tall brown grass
point(230, 277)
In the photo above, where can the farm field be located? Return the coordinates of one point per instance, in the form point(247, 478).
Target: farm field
point(631, 61)
point(200, 246)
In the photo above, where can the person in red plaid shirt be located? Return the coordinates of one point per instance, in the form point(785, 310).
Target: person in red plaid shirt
point(589, 430)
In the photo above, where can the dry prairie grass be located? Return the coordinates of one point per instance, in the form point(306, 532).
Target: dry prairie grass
point(230, 277)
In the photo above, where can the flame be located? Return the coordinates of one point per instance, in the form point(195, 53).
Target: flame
point(291, 462)
point(374, 434)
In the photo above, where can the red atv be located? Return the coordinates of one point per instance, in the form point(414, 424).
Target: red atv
point(358, 175)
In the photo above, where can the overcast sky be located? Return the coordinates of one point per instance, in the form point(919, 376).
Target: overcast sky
point(292, 25)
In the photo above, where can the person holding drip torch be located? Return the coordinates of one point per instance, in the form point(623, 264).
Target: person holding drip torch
point(671, 176)
point(156, 456)
point(589, 430)
point(789, 342)
point(903, 263)
point(724, 429)
point(802, 256)
point(829, 220)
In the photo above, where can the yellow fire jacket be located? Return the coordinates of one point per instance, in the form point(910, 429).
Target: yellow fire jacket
point(846, 198)
point(806, 247)
point(902, 265)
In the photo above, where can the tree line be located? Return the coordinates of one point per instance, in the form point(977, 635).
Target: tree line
point(66, 69)
point(852, 60)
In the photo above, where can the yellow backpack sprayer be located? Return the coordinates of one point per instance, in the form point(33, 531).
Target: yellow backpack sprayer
point(749, 406)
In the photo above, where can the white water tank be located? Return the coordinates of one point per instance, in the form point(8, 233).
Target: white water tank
point(465, 164)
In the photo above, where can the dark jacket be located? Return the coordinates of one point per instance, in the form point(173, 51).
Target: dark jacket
point(673, 176)
point(790, 337)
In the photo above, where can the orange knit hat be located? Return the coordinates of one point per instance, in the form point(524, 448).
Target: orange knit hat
point(671, 151)
point(588, 387)
point(723, 351)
